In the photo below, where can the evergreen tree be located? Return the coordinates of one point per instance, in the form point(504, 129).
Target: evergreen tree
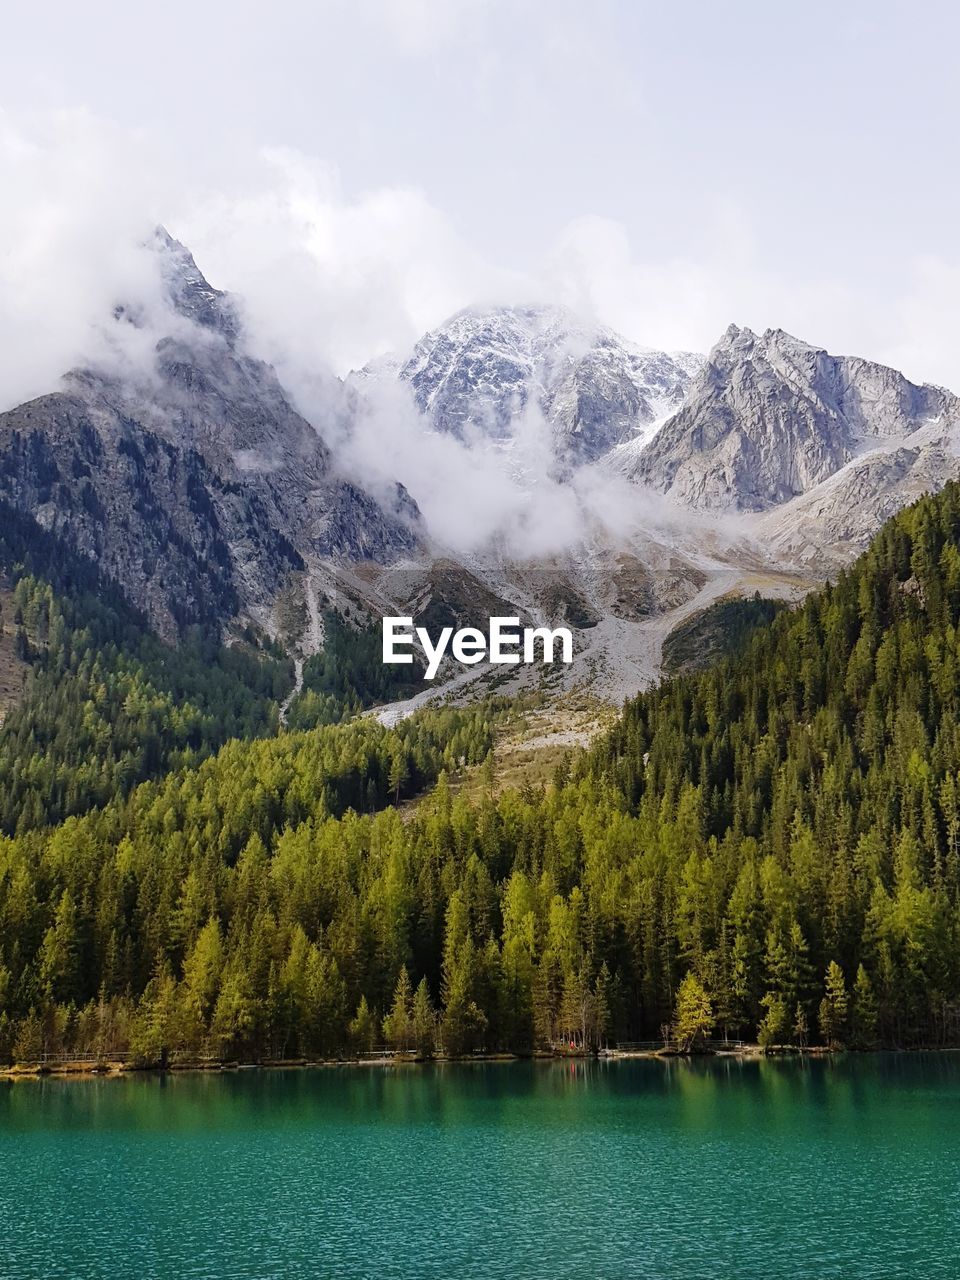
point(398, 1026)
point(424, 1021)
point(693, 1018)
point(863, 1012)
point(363, 1028)
point(775, 1024)
point(833, 1007)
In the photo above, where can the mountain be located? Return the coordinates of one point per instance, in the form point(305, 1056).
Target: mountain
point(769, 418)
point(190, 479)
point(184, 471)
point(479, 372)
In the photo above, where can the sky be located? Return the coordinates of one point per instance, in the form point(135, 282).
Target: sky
point(360, 170)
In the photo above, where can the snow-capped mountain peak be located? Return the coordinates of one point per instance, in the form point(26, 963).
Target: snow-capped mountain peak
point(479, 372)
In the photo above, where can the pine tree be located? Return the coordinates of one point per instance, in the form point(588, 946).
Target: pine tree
point(398, 1024)
point(203, 967)
point(575, 1009)
point(863, 1012)
point(363, 1028)
point(833, 1007)
point(774, 1026)
point(693, 1018)
point(424, 1021)
point(59, 955)
point(602, 1015)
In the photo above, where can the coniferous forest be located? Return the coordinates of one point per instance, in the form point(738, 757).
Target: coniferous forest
point(767, 849)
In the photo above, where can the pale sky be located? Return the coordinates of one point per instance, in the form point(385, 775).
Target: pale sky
point(359, 170)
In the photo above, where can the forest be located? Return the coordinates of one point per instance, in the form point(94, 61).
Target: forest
point(348, 675)
point(768, 849)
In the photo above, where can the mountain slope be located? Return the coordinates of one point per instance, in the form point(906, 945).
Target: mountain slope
point(822, 528)
point(803, 802)
point(104, 703)
point(770, 417)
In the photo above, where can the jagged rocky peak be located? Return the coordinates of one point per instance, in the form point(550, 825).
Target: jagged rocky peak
point(770, 417)
point(204, 389)
point(479, 372)
point(189, 292)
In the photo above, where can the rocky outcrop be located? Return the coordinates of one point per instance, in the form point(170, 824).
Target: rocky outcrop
point(769, 418)
point(838, 519)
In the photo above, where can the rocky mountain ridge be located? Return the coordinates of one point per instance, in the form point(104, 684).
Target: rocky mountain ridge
point(769, 418)
point(196, 484)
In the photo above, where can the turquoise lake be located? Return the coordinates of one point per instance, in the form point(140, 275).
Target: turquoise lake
point(844, 1167)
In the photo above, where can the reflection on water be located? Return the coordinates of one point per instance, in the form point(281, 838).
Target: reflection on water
point(835, 1167)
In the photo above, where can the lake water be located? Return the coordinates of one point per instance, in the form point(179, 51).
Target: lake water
point(847, 1167)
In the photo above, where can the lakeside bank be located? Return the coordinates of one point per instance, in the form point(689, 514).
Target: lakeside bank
point(106, 1067)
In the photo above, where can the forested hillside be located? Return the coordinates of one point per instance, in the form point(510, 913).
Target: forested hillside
point(107, 704)
point(720, 630)
point(770, 848)
point(798, 807)
point(349, 674)
point(234, 905)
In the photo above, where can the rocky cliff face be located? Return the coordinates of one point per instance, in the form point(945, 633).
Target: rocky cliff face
point(833, 522)
point(769, 418)
point(479, 372)
point(194, 483)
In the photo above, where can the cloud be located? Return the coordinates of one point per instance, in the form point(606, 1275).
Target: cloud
point(687, 302)
point(328, 279)
point(331, 278)
point(71, 231)
point(476, 496)
point(490, 498)
point(419, 27)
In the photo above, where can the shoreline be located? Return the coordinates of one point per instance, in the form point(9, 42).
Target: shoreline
point(113, 1068)
point(107, 1068)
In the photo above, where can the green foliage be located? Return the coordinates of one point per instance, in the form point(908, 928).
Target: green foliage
point(242, 907)
point(774, 1028)
point(363, 1028)
point(398, 1024)
point(723, 628)
point(834, 1007)
point(424, 1021)
point(863, 1021)
point(109, 705)
point(799, 804)
point(693, 1018)
point(347, 675)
